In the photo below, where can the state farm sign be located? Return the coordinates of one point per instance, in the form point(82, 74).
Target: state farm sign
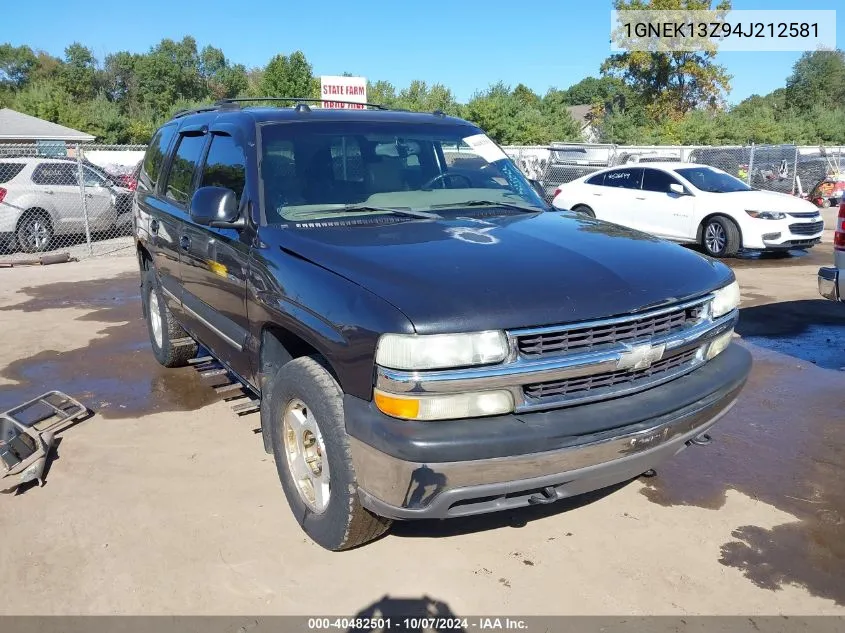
point(352, 89)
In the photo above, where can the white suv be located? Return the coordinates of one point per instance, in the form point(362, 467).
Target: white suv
point(41, 198)
point(692, 203)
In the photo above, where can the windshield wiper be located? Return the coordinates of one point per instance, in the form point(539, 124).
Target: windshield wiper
point(407, 211)
point(489, 203)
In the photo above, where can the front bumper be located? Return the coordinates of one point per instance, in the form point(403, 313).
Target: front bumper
point(779, 234)
point(409, 470)
point(829, 280)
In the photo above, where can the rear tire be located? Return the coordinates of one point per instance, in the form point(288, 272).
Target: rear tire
point(34, 232)
point(583, 209)
point(172, 345)
point(720, 237)
point(311, 449)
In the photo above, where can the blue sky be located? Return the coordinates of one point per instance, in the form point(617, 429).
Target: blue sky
point(465, 44)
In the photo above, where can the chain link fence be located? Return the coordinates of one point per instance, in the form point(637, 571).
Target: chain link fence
point(815, 173)
point(57, 197)
point(66, 197)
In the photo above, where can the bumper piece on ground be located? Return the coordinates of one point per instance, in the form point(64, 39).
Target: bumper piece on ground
point(829, 284)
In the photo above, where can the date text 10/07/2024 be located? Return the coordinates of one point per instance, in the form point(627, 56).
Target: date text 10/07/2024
point(720, 30)
point(417, 623)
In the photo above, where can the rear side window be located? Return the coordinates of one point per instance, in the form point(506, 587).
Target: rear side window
point(656, 180)
point(598, 179)
point(9, 171)
point(55, 174)
point(624, 178)
point(154, 159)
point(225, 165)
point(180, 179)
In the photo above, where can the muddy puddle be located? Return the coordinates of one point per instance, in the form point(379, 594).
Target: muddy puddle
point(784, 445)
point(115, 375)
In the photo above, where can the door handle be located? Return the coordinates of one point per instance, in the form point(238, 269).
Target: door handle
point(597, 194)
point(153, 226)
point(49, 191)
point(185, 242)
point(640, 198)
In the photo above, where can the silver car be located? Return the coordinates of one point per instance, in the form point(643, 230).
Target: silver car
point(832, 279)
point(42, 198)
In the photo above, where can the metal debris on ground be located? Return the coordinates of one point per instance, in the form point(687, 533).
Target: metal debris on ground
point(27, 434)
point(44, 260)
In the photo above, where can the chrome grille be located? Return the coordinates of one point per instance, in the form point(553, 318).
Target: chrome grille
point(580, 386)
point(809, 228)
point(586, 337)
point(804, 214)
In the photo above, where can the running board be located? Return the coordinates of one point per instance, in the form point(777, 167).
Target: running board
point(233, 391)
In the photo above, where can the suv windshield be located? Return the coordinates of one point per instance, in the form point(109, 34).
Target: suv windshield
point(339, 169)
point(712, 180)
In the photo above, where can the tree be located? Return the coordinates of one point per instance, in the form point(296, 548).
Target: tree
point(78, 74)
point(170, 71)
point(381, 92)
point(817, 79)
point(288, 76)
point(593, 90)
point(16, 65)
point(670, 84)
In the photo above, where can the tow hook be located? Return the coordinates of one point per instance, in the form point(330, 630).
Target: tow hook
point(701, 440)
point(549, 495)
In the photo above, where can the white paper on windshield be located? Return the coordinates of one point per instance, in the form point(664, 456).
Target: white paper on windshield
point(482, 145)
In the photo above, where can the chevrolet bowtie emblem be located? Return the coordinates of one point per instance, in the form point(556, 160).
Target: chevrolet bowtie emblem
point(640, 356)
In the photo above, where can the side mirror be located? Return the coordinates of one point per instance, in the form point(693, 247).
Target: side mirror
point(217, 207)
point(678, 189)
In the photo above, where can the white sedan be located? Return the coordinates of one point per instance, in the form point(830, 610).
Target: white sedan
point(692, 203)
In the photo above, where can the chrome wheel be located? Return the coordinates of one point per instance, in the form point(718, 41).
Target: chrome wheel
point(35, 234)
point(155, 318)
point(305, 453)
point(715, 237)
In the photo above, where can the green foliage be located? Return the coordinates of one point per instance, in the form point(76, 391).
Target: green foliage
point(640, 98)
point(670, 84)
point(818, 78)
point(288, 76)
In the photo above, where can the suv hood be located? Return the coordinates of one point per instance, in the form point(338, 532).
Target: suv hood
point(467, 274)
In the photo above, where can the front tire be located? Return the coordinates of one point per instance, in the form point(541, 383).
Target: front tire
point(311, 449)
point(720, 237)
point(171, 345)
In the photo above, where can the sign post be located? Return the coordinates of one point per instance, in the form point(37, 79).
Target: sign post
point(334, 89)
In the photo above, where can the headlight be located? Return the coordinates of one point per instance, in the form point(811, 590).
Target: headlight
point(766, 215)
point(438, 351)
point(719, 344)
point(724, 300)
point(445, 407)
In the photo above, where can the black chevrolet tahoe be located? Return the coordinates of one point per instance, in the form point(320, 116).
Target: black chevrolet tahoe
point(426, 336)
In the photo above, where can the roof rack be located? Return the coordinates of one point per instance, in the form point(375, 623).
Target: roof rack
point(182, 113)
point(297, 100)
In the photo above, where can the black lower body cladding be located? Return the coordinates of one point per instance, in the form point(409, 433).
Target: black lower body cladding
point(460, 467)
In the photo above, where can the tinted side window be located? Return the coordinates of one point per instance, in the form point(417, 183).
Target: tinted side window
point(180, 179)
point(55, 174)
point(9, 171)
point(656, 180)
point(225, 166)
point(598, 179)
point(624, 178)
point(154, 159)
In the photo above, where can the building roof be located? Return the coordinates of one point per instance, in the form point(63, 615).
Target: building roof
point(23, 127)
point(581, 113)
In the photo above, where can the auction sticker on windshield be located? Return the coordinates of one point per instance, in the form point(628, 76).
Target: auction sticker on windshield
point(484, 146)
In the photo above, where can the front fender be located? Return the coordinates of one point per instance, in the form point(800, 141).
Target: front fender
point(336, 317)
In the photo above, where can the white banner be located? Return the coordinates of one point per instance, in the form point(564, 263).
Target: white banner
point(334, 90)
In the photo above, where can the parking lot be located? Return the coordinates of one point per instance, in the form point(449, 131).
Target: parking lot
point(164, 502)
